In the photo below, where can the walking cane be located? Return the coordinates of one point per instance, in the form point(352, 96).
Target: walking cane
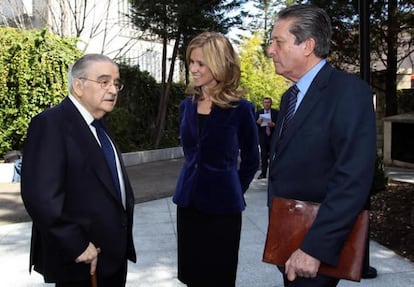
point(94, 279)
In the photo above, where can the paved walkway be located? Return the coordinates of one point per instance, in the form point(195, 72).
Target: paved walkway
point(155, 239)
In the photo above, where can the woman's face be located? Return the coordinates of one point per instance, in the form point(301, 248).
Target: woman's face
point(201, 74)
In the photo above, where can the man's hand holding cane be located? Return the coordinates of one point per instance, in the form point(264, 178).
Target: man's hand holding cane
point(90, 256)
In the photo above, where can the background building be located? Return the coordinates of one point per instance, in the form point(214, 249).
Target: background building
point(102, 26)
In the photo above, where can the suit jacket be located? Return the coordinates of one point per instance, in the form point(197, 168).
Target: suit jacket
point(210, 178)
point(327, 155)
point(68, 191)
point(263, 137)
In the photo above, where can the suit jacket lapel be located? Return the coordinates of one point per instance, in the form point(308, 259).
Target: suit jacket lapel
point(128, 189)
point(276, 135)
point(82, 135)
point(311, 98)
point(191, 116)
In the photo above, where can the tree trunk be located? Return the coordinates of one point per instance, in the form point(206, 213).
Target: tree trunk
point(391, 104)
point(163, 106)
point(157, 132)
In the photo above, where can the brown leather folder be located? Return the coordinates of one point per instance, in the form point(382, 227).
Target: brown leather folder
point(289, 222)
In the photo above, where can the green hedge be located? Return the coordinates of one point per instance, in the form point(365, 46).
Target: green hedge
point(133, 120)
point(33, 77)
point(405, 101)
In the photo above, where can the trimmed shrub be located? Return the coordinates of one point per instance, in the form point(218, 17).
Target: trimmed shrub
point(33, 77)
point(133, 120)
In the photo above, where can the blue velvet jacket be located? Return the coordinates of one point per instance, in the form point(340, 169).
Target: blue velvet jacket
point(212, 178)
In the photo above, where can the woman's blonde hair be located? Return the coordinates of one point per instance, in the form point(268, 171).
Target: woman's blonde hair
point(224, 64)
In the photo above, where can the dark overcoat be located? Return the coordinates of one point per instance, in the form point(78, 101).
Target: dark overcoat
point(68, 191)
point(327, 155)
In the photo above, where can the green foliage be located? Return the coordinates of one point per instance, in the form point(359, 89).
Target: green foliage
point(171, 132)
point(180, 21)
point(345, 24)
point(133, 119)
point(260, 18)
point(380, 179)
point(186, 17)
point(390, 38)
point(258, 75)
point(405, 101)
point(33, 77)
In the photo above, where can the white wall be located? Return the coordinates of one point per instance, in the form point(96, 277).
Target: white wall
point(13, 8)
point(106, 29)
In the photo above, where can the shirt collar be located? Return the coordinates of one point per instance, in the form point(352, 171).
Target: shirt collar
point(84, 112)
point(304, 83)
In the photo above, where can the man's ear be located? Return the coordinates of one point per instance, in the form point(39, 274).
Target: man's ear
point(309, 46)
point(78, 87)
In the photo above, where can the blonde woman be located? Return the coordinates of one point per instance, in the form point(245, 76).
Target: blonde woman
point(217, 127)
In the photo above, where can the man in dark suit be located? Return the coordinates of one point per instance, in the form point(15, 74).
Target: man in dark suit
point(265, 119)
point(81, 203)
point(324, 147)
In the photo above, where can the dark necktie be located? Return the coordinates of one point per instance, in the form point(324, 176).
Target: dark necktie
point(108, 152)
point(292, 94)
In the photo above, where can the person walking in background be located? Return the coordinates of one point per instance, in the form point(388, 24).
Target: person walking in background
point(74, 184)
point(217, 127)
point(265, 119)
point(324, 148)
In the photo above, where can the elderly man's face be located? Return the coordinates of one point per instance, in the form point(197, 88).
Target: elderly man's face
point(98, 91)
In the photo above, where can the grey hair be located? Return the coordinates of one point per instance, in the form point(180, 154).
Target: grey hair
point(309, 22)
point(81, 67)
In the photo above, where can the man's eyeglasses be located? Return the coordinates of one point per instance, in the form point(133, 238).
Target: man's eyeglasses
point(106, 84)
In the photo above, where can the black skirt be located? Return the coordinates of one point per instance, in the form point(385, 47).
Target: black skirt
point(208, 247)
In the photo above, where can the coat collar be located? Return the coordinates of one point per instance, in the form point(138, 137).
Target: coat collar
point(311, 98)
point(79, 131)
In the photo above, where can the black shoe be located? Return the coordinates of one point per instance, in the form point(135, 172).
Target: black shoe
point(261, 176)
point(370, 273)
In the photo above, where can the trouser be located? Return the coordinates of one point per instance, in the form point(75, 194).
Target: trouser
point(264, 155)
point(116, 280)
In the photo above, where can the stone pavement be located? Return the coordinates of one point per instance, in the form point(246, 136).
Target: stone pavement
point(150, 181)
point(155, 239)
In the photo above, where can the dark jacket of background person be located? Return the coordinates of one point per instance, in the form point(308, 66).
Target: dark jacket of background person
point(262, 130)
point(264, 140)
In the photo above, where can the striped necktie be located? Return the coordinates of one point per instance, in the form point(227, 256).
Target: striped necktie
point(292, 94)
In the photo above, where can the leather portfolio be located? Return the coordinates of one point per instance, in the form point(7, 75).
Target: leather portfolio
point(288, 224)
